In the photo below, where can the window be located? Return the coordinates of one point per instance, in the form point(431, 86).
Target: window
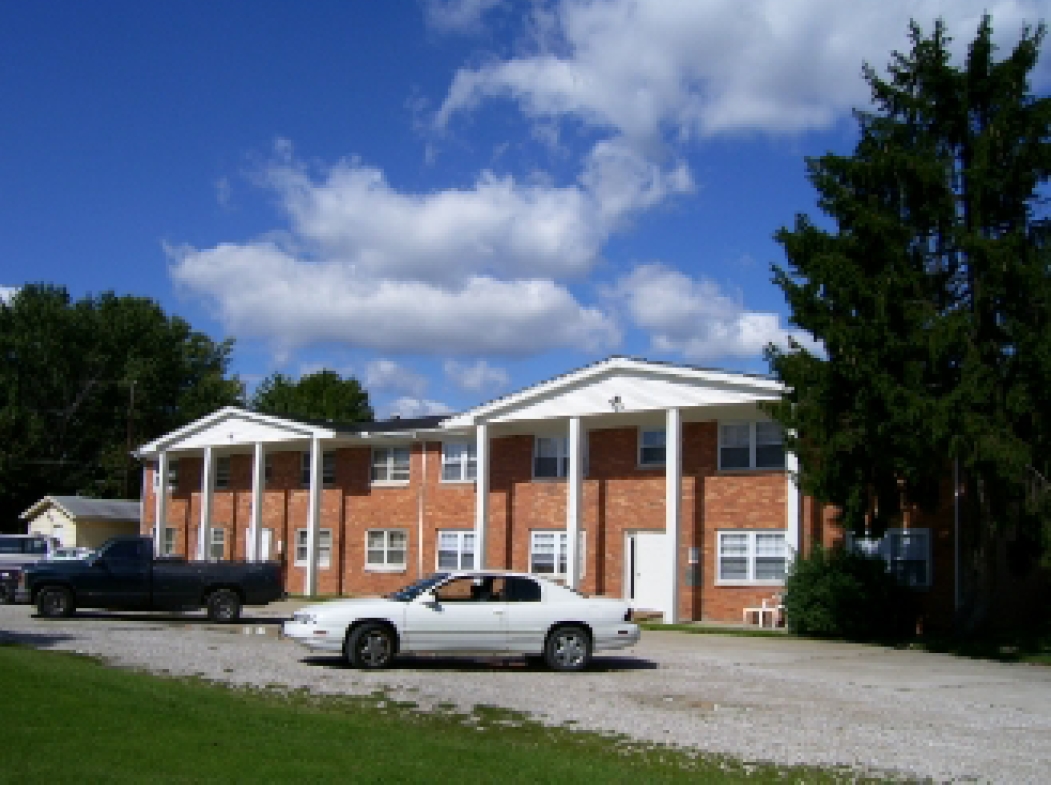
point(651, 447)
point(751, 445)
point(173, 473)
point(328, 469)
point(390, 464)
point(216, 543)
point(222, 472)
point(455, 550)
point(551, 457)
point(324, 548)
point(385, 549)
point(752, 557)
point(548, 551)
point(907, 553)
point(168, 544)
point(459, 462)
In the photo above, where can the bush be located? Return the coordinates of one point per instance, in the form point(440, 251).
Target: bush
point(838, 594)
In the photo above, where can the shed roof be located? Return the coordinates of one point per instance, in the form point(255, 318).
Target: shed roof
point(83, 507)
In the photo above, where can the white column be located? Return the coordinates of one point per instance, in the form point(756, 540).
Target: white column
point(313, 517)
point(672, 510)
point(481, 495)
point(793, 535)
point(574, 491)
point(207, 489)
point(255, 529)
point(160, 512)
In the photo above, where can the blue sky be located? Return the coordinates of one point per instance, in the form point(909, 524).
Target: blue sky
point(447, 199)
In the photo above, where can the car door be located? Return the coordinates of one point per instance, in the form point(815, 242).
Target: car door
point(528, 616)
point(467, 613)
point(118, 578)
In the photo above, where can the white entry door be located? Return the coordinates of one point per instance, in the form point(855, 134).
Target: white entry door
point(268, 536)
point(645, 570)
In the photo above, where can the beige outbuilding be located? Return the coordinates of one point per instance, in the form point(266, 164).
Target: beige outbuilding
point(77, 521)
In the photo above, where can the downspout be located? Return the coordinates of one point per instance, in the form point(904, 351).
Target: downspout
point(421, 504)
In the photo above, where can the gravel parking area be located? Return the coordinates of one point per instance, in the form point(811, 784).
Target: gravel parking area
point(781, 700)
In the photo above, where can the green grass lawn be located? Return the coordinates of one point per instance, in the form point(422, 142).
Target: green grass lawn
point(72, 719)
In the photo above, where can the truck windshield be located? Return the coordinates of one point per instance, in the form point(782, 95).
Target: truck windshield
point(414, 590)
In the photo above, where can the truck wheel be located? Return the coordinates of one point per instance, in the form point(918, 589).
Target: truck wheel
point(370, 646)
point(224, 606)
point(55, 602)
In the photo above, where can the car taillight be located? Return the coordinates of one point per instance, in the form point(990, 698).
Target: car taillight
point(628, 615)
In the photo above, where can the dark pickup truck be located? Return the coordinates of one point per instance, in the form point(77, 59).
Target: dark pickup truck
point(125, 575)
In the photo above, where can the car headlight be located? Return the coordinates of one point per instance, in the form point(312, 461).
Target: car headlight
point(304, 618)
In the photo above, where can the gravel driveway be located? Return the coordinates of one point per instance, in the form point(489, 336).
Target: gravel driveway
point(780, 700)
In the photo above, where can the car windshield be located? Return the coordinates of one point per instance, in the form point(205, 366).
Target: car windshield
point(414, 590)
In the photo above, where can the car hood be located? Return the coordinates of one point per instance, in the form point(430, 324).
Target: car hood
point(354, 607)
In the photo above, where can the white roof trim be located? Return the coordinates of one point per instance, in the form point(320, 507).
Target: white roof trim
point(754, 387)
point(294, 428)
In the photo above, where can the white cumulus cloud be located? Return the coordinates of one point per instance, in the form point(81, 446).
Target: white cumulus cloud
point(476, 377)
point(459, 16)
point(408, 407)
point(7, 292)
point(695, 318)
point(390, 375)
point(639, 67)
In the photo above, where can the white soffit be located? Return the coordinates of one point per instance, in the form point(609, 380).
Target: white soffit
point(621, 385)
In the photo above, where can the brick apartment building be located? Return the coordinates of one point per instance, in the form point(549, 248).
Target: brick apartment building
point(660, 483)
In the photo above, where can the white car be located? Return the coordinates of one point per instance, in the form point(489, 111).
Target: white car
point(481, 612)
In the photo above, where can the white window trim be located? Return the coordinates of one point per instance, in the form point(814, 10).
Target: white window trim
point(324, 550)
point(638, 454)
point(882, 547)
point(751, 467)
point(389, 466)
point(216, 536)
point(173, 474)
point(561, 544)
point(461, 551)
point(750, 556)
point(463, 462)
point(386, 566)
point(168, 541)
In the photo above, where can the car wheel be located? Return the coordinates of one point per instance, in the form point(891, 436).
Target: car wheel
point(568, 648)
point(369, 646)
point(224, 606)
point(54, 602)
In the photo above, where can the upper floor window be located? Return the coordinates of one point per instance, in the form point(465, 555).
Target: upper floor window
point(328, 469)
point(390, 464)
point(222, 472)
point(652, 447)
point(173, 473)
point(551, 456)
point(751, 445)
point(459, 462)
point(907, 553)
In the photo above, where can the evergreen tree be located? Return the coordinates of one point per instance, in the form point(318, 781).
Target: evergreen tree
point(931, 296)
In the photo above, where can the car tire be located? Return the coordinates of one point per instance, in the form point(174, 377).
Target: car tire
point(568, 648)
point(224, 606)
point(55, 602)
point(369, 647)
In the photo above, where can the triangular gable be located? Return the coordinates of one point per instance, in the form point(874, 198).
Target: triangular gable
point(233, 426)
point(623, 384)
